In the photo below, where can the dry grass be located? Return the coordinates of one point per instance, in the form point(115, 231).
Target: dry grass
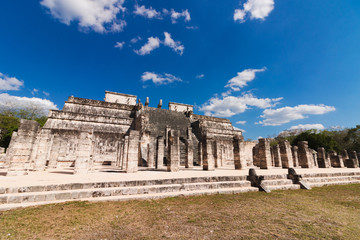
point(327, 213)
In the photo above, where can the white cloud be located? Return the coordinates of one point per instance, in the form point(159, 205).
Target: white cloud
point(276, 117)
point(14, 102)
point(151, 44)
point(175, 45)
point(159, 79)
point(34, 91)
point(257, 9)
point(200, 76)
point(230, 105)
point(308, 126)
point(241, 122)
point(243, 78)
point(46, 93)
point(239, 129)
point(119, 45)
point(9, 83)
point(176, 15)
point(147, 12)
point(192, 27)
point(97, 15)
point(135, 39)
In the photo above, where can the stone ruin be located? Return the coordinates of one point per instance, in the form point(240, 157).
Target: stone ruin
point(123, 133)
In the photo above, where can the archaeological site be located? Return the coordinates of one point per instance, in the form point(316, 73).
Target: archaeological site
point(121, 148)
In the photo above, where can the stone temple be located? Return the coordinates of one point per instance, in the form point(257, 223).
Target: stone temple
point(123, 133)
point(120, 131)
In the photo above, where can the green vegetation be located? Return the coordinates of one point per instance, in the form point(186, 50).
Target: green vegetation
point(321, 213)
point(336, 140)
point(10, 121)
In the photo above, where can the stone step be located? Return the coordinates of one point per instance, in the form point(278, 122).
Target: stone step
point(283, 187)
point(322, 184)
point(276, 176)
point(313, 175)
point(114, 191)
point(73, 186)
point(276, 182)
point(149, 196)
point(331, 179)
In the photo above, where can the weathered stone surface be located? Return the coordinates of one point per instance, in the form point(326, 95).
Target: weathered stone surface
point(208, 154)
point(294, 151)
point(286, 155)
point(173, 151)
point(133, 152)
point(305, 155)
point(354, 159)
point(336, 160)
point(322, 158)
point(264, 153)
point(277, 156)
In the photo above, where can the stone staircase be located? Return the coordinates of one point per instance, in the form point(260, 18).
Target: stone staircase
point(278, 182)
point(123, 190)
point(325, 179)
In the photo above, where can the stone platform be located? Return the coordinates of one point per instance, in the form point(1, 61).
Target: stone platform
point(109, 184)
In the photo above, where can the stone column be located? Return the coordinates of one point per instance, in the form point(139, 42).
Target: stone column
point(173, 151)
point(336, 160)
point(305, 157)
point(133, 152)
point(239, 162)
point(41, 155)
point(200, 154)
point(83, 153)
point(189, 152)
point(124, 154)
point(272, 157)
point(160, 153)
point(354, 159)
point(218, 154)
point(286, 155)
point(151, 154)
point(277, 156)
point(264, 153)
point(256, 155)
point(294, 151)
point(323, 160)
point(346, 158)
point(208, 154)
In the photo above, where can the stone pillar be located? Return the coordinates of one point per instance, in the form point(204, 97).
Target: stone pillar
point(336, 160)
point(294, 151)
point(124, 155)
point(200, 154)
point(286, 155)
point(189, 152)
point(256, 155)
point(345, 157)
point(83, 153)
point(264, 153)
point(160, 153)
point(218, 154)
point(208, 154)
point(18, 154)
point(41, 148)
point(322, 158)
point(354, 159)
point(277, 156)
point(239, 161)
point(173, 151)
point(272, 157)
point(151, 154)
point(305, 157)
point(133, 152)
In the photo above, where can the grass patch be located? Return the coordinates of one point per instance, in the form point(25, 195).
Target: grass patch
point(323, 213)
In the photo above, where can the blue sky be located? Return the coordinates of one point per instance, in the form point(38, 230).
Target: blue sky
point(267, 65)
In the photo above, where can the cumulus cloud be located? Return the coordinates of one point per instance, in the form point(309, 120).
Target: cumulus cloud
point(119, 45)
point(14, 102)
point(98, 15)
point(9, 83)
point(257, 9)
point(241, 122)
point(239, 129)
point(276, 117)
point(176, 15)
point(230, 105)
point(317, 126)
point(159, 79)
point(147, 12)
point(135, 39)
point(200, 76)
point(151, 44)
point(242, 78)
point(175, 45)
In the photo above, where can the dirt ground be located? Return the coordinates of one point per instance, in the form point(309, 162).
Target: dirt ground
point(321, 213)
